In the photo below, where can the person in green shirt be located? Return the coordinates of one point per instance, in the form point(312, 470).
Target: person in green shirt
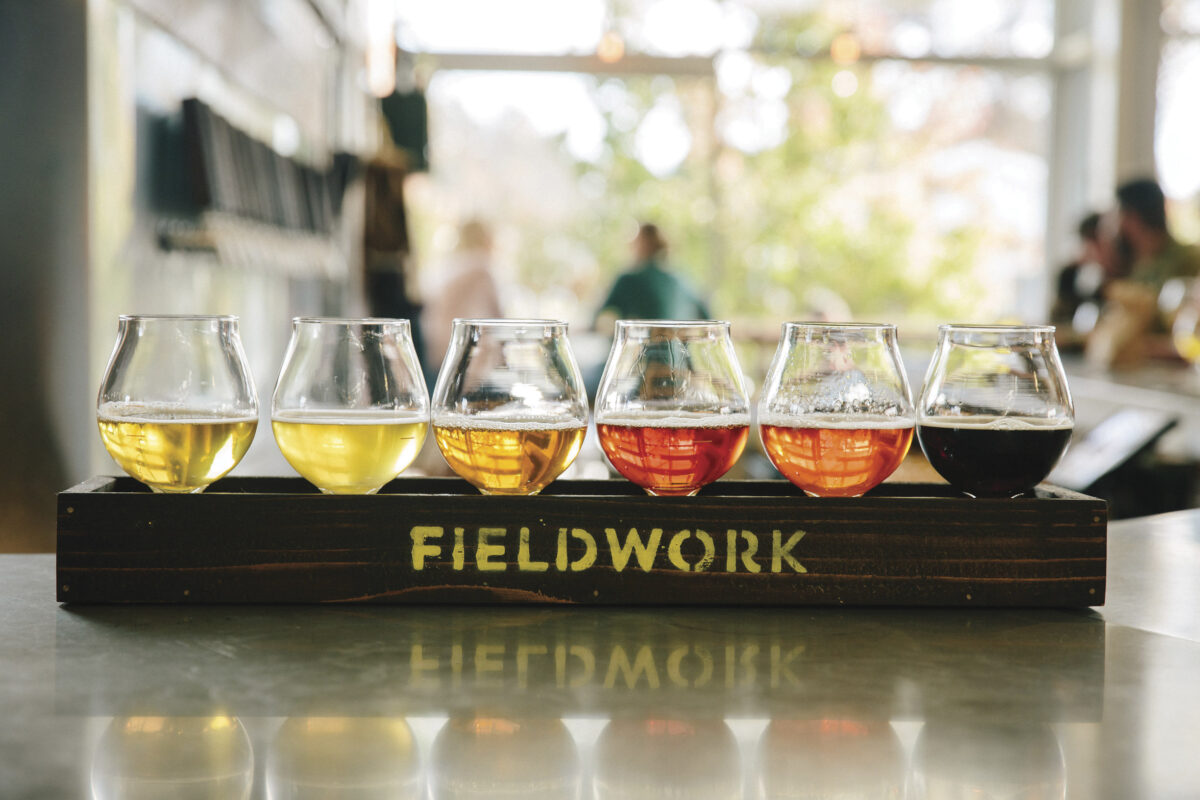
point(648, 289)
point(1136, 319)
point(1142, 220)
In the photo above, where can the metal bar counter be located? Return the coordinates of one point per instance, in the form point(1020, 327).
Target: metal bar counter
point(298, 701)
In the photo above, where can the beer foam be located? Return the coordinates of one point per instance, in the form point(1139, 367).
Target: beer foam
point(371, 416)
point(843, 422)
point(677, 419)
point(981, 423)
point(158, 413)
point(508, 424)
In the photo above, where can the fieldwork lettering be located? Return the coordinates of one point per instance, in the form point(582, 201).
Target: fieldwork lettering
point(494, 549)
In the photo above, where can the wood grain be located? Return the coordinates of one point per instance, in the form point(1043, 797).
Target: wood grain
point(276, 540)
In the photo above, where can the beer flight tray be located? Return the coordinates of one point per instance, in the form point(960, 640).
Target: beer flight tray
point(436, 540)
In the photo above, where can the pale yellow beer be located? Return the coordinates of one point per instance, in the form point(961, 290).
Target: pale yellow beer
point(174, 450)
point(503, 457)
point(349, 452)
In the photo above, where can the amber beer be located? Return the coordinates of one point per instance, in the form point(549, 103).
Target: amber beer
point(174, 450)
point(349, 452)
point(509, 457)
point(674, 456)
point(833, 456)
point(359, 757)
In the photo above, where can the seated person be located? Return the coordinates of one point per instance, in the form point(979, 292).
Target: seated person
point(1132, 326)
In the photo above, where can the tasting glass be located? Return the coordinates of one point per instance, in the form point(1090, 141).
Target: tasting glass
point(509, 408)
point(995, 415)
point(671, 411)
point(173, 757)
point(350, 410)
point(177, 407)
point(836, 415)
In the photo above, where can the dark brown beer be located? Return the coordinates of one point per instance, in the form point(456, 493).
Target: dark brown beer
point(994, 456)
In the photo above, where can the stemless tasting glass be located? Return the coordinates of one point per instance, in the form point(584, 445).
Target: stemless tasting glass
point(350, 411)
point(509, 409)
point(995, 415)
point(177, 407)
point(836, 416)
point(671, 410)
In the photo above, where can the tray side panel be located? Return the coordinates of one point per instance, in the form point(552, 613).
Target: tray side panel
point(247, 547)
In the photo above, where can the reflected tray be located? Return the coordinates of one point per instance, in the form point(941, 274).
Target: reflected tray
point(436, 540)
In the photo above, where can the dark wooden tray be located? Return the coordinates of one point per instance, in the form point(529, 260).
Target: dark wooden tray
point(435, 540)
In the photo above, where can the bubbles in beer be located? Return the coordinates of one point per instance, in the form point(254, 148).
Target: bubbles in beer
point(508, 456)
point(349, 452)
point(676, 454)
point(994, 456)
point(173, 449)
point(836, 455)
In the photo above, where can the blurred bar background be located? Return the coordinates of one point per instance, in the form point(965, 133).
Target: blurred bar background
point(912, 161)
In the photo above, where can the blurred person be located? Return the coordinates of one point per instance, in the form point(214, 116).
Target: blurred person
point(649, 289)
point(463, 287)
point(1080, 280)
point(1142, 219)
point(1132, 325)
point(387, 248)
point(1079, 290)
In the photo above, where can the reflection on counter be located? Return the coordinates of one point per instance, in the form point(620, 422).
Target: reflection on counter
point(829, 758)
point(1016, 762)
point(194, 758)
point(489, 757)
point(454, 703)
point(1012, 665)
point(321, 757)
point(493, 755)
point(658, 758)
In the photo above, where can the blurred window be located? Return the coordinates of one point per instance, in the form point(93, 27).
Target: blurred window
point(839, 157)
point(1177, 129)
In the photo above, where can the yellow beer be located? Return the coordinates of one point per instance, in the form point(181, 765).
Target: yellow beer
point(502, 457)
point(349, 452)
point(172, 450)
point(173, 757)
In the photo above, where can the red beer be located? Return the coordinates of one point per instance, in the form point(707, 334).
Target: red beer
point(674, 457)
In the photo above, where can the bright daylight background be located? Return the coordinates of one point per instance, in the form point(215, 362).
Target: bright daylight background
point(825, 157)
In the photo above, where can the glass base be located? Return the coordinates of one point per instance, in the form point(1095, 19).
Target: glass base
point(672, 492)
point(161, 490)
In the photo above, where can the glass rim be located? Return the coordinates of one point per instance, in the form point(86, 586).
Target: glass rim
point(349, 321)
point(672, 323)
point(968, 327)
point(178, 317)
point(509, 323)
point(842, 326)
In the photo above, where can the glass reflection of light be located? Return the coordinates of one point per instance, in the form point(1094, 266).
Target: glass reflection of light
point(987, 762)
point(831, 758)
point(183, 758)
point(321, 757)
point(496, 757)
point(667, 758)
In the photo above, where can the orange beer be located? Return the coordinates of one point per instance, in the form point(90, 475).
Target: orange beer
point(831, 456)
point(674, 456)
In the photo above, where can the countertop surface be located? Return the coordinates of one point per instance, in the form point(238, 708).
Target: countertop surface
point(291, 702)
